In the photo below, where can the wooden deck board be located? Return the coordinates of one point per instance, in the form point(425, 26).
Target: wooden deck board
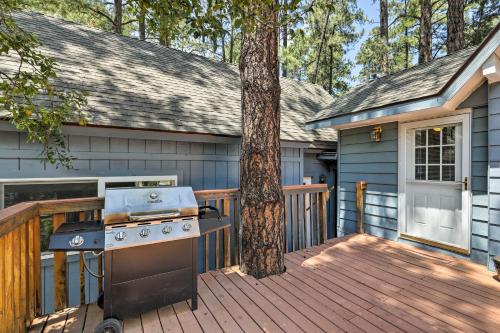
point(354, 284)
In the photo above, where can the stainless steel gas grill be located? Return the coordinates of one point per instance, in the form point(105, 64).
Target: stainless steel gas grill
point(149, 237)
point(150, 249)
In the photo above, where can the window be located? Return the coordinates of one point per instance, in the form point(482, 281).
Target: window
point(435, 153)
point(17, 193)
point(19, 190)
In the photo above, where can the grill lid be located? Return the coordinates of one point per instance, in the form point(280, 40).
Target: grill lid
point(147, 203)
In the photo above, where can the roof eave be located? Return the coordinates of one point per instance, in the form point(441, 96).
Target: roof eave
point(427, 103)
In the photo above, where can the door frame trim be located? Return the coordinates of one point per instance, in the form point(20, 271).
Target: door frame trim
point(465, 119)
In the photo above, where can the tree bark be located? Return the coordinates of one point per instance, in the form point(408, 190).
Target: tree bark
point(231, 44)
point(407, 46)
point(223, 45)
point(455, 39)
point(285, 42)
point(330, 72)
point(384, 35)
point(118, 17)
point(322, 40)
point(262, 201)
point(425, 39)
point(163, 31)
point(142, 21)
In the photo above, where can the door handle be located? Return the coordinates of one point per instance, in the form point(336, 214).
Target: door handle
point(466, 183)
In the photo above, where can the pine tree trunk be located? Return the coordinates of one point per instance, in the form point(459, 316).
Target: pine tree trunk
point(142, 22)
point(425, 40)
point(321, 42)
point(163, 31)
point(455, 39)
point(407, 46)
point(231, 44)
point(330, 72)
point(384, 35)
point(118, 17)
point(262, 201)
point(223, 45)
point(284, 72)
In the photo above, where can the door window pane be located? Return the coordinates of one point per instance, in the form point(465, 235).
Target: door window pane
point(434, 155)
point(448, 173)
point(434, 136)
point(449, 135)
point(434, 173)
point(420, 156)
point(420, 172)
point(448, 155)
point(420, 138)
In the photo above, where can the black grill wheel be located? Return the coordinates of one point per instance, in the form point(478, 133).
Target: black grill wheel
point(109, 325)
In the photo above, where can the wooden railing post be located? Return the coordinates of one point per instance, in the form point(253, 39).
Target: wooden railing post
point(360, 211)
point(226, 210)
point(60, 285)
point(323, 209)
point(37, 265)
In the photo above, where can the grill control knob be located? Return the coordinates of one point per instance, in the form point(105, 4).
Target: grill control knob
point(186, 227)
point(120, 236)
point(76, 241)
point(166, 230)
point(144, 232)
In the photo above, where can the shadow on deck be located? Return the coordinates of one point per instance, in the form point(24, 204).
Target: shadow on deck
point(351, 284)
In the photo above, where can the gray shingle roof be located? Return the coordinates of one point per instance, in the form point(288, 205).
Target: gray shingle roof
point(414, 83)
point(135, 84)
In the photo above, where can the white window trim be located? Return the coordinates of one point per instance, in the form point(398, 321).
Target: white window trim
point(102, 181)
point(463, 118)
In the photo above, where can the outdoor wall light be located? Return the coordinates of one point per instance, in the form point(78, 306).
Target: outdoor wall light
point(376, 134)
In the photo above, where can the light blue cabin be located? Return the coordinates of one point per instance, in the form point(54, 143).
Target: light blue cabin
point(153, 113)
point(427, 142)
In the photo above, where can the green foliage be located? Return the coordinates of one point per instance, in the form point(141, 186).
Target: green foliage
point(29, 94)
point(403, 41)
point(481, 16)
point(303, 53)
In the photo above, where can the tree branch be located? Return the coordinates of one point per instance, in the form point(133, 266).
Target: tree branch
point(98, 11)
point(129, 21)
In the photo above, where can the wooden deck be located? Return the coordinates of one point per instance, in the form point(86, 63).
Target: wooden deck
point(352, 284)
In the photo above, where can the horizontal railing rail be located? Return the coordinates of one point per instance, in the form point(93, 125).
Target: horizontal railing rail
point(20, 243)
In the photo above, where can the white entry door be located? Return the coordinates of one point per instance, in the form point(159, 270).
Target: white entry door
point(437, 182)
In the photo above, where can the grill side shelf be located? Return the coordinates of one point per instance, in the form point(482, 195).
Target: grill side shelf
point(212, 224)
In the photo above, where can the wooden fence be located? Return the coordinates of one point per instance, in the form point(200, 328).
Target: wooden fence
point(20, 289)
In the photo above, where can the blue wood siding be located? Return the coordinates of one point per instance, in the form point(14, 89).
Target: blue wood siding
point(375, 162)
point(494, 170)
point(479, 186)
point(202, 165)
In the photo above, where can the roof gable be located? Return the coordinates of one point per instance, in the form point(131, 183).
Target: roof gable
point(414, 83)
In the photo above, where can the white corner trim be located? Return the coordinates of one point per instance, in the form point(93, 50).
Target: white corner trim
point(491, 69)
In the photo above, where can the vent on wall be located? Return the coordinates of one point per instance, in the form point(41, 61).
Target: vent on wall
point(327, 156)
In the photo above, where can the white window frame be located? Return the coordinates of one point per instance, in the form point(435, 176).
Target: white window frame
point(100, 181)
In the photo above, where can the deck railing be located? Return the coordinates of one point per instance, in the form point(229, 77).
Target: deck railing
point(20, 283)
